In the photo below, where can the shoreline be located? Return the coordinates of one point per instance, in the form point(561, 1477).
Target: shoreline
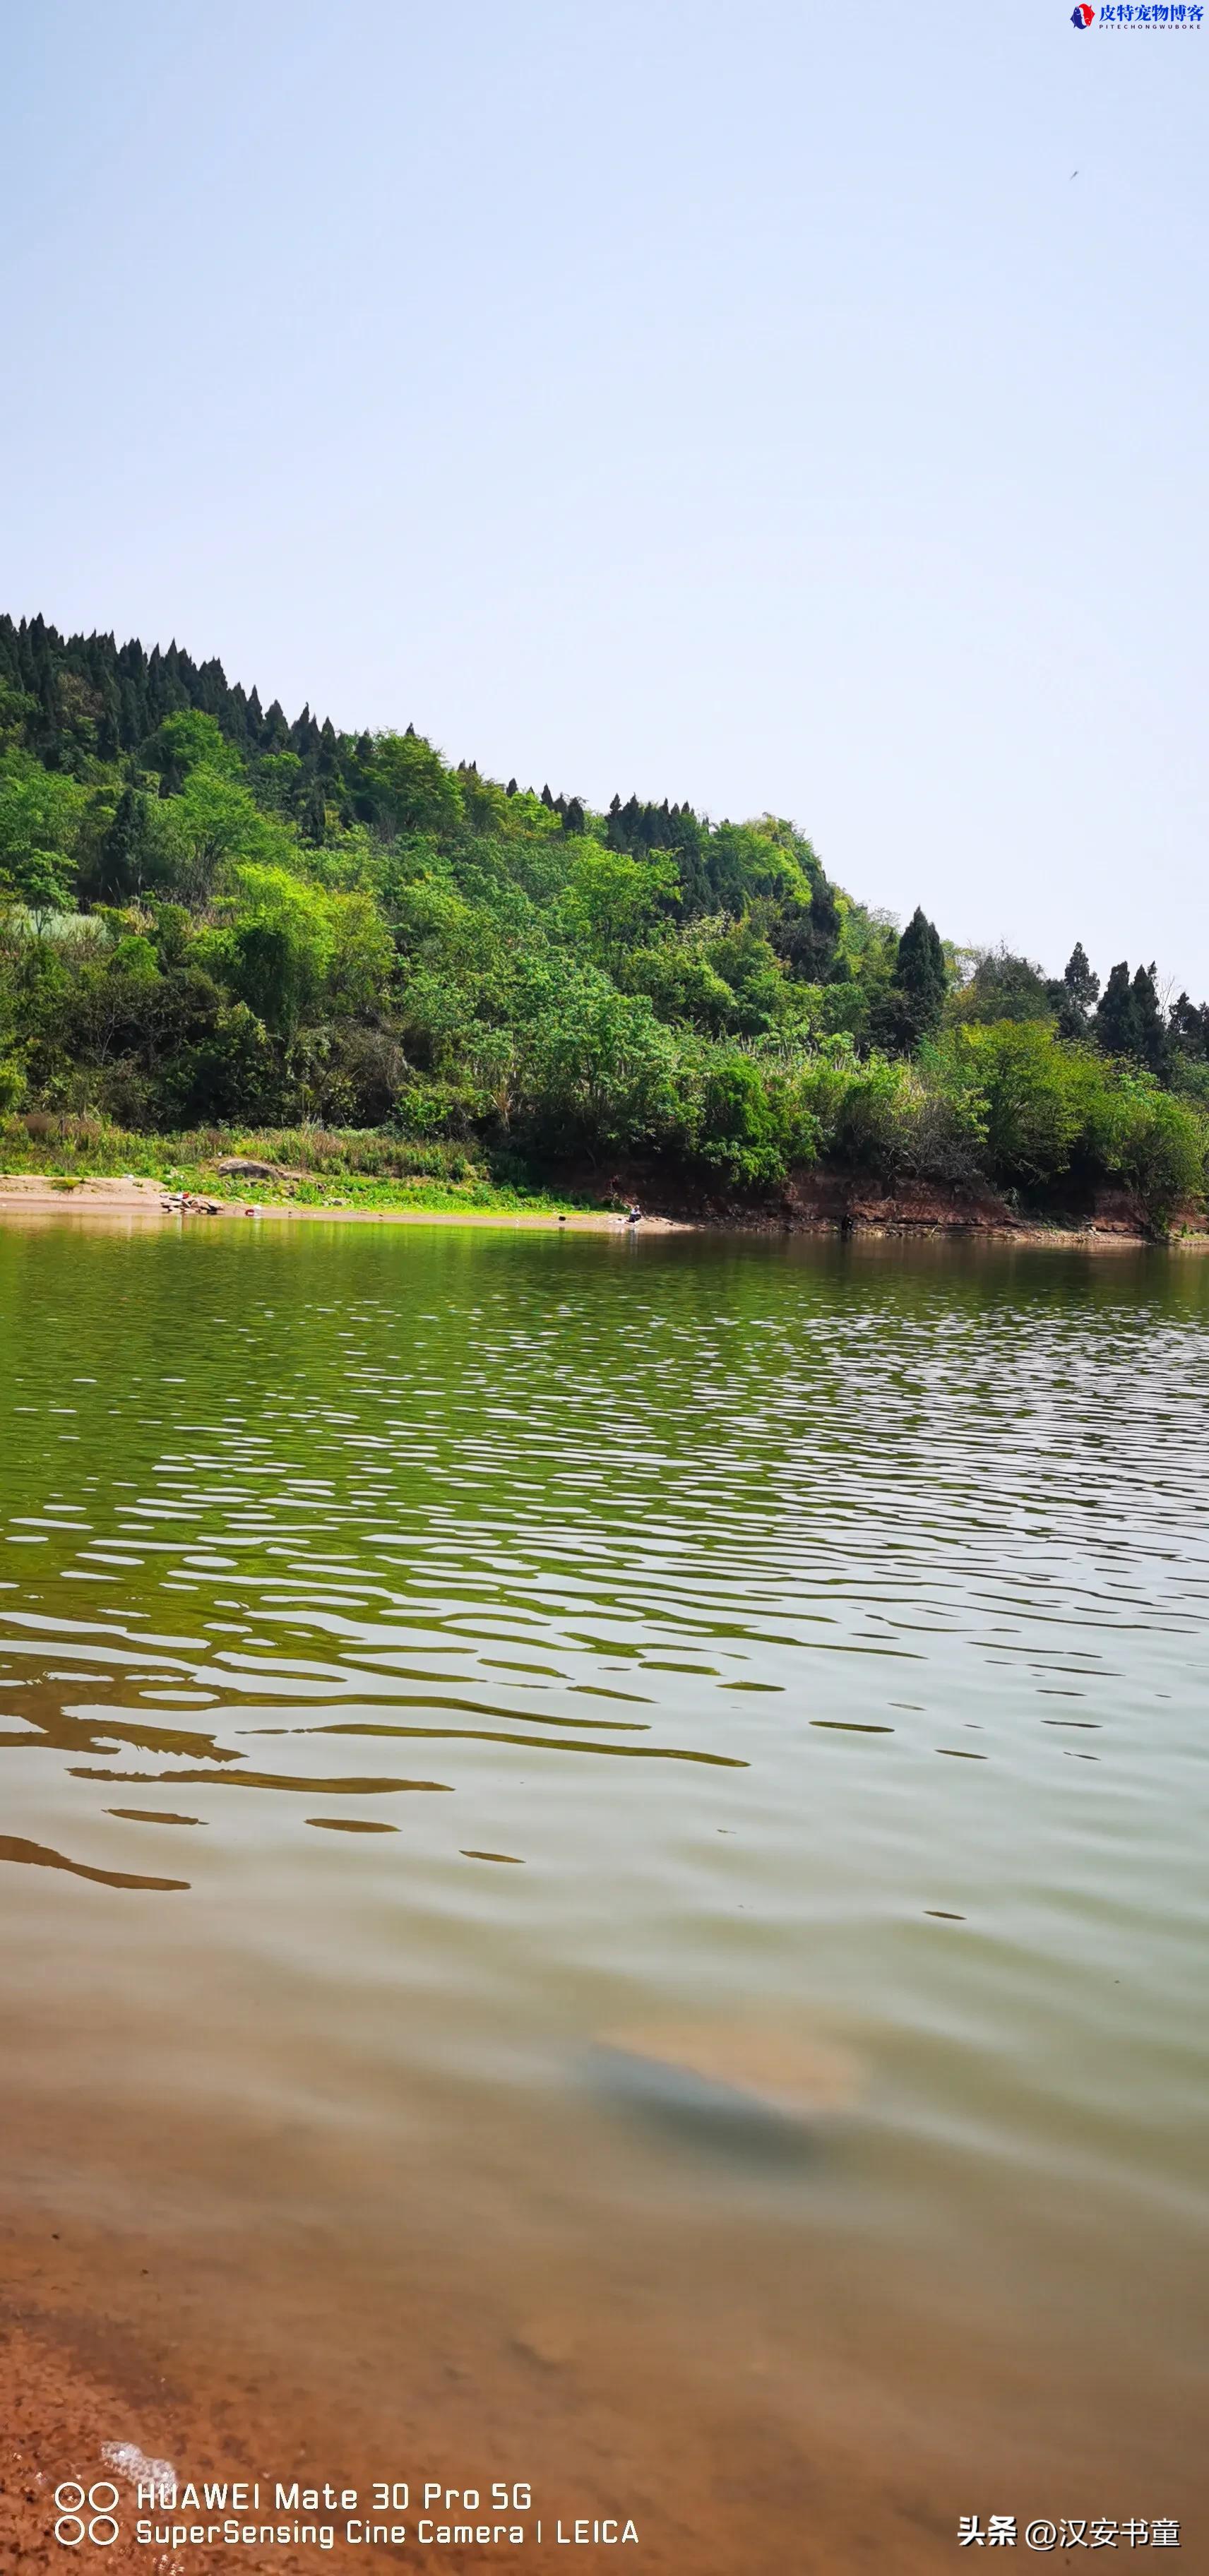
point(100, 1195)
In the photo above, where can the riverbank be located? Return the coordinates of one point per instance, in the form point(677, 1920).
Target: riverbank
point(824, 1208)
point(103, 1195)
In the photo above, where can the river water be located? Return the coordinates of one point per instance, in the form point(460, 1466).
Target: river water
point(466, 1698)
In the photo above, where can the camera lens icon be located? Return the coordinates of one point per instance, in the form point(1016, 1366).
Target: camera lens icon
point(86, 2513)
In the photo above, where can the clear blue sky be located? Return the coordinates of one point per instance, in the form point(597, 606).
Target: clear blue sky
point(735, 404)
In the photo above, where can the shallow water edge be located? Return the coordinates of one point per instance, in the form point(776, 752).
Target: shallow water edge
point(601, 1880)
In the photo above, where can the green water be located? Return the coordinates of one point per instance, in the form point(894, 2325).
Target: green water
point(694, 1634)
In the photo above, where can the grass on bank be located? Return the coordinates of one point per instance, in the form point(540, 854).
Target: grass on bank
point(313, 1166)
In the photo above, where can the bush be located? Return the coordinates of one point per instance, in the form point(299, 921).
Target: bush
point(739, 1128)
point(1027, 1093)
point(1156, 1144)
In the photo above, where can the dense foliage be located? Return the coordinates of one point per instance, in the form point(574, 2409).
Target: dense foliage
point(211, 915)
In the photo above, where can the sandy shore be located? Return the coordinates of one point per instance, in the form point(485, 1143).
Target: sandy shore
point(59, 2416)
point(83, 2407)
point(30, 1193)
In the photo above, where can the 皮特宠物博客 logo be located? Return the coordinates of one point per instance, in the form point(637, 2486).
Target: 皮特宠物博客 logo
point(1150, 13)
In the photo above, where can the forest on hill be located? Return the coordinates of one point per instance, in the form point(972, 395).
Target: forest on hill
point(213, 916)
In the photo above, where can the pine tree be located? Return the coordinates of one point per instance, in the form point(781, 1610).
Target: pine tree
point(134, 723)
point(917, 992)
point(208, 689)
point(1081, 983)
point(1115, 1023)
point(808, 939)
point(312, 822)
point(109, 719)
point(1075, 994)
point(574, 818)
point(122, 858)
point(547, 798)
point(1189, 1028)
point(511, 788)
point(1151, 1043)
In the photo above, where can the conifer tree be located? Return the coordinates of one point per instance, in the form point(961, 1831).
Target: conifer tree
point(125, 850)
point(1189, 1028)
point(1150, 1028)
point(109, 719)
point(133, 723)
point(312, 822)
point(808, 940)
point(917, 992)
point(1115, 1022)
point(1075, 994)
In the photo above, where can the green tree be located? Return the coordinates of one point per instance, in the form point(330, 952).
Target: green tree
point(278, 947)
point(595, 1067)
point(1150, 1028)
point(405, 784)
point(1189, 1028)
point(610, 898)
point(755, 975)
point(741, 1126)
point(911, 1010)
point(1004, 986)
point(1079, 993)
point(1116, 1027)
point(1130, 1020)
point(362, 955)
point(1031, 1094)
point(807, 936)
point(679, 978)
point(213, 825)
point(187, 741)
point(133, 853)
point(40, 818)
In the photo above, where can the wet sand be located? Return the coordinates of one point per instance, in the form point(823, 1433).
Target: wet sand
point(249, 2294)
point(742, 2474)
point(721, 2490)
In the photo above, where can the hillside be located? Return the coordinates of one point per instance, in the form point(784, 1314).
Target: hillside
point(214, 917)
